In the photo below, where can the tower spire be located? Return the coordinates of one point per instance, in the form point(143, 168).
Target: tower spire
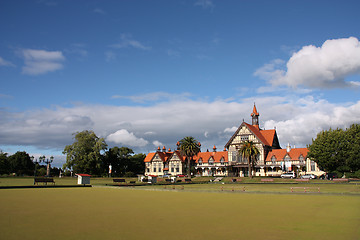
point(255, 117)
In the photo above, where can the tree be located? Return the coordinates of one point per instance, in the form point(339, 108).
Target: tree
point(4, 165)
point(20, 163)
point(85, 154)
point(189, 147)
point(328, 150)
point(136, 164)
point(352, 139)
point(118, 158)
point(123, 160)
point(248, 150)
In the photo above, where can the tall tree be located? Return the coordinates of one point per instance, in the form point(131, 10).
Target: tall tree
point(189, 147)
point(4, 164)
point(248, 150)
point(328, 150)
point(20, 163)
point(352, 139)
point(124, 160)
point(85, 154)
point(118, 158)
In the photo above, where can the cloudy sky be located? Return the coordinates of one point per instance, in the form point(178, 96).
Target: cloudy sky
point(144, 74)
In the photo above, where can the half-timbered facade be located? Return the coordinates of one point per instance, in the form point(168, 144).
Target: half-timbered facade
point(271, 160)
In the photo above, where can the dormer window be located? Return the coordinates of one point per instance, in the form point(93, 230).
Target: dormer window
point(211, 161)
point(273, 159)
point(200, 161)
point(301, 159)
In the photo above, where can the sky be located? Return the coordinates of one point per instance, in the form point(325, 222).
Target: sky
point(143, 74)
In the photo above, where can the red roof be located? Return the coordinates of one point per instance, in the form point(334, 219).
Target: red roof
point(255, 112)
point(149, 157)
point(294, 154)
point(83, 175)
point(205, 156)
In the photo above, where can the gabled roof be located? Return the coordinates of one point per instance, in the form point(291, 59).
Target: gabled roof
point(280, 154)
point(266, 137)
point(164, 156)
point(206, 156)
point(149, 157)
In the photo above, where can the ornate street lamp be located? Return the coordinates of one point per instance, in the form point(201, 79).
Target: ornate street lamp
point(48, 162)
point(35, 161)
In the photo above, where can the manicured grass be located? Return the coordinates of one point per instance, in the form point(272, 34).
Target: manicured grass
point(339, 188)
point(124, 213)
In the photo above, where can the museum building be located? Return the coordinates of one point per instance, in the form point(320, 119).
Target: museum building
point(272, 160)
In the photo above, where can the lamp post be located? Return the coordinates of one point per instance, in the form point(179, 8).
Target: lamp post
point(48, 162)
point(35, 161)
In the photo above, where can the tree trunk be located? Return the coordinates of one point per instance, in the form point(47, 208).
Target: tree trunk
point(188, 167)
point(249, 166)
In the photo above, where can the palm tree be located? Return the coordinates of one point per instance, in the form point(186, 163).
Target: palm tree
point(249, 151)
point(189, 147)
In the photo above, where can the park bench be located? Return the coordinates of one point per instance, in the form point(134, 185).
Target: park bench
point(118, 180)
point(236, 180)
point(267, 180)
point(132, 182)
point(168, 180)
point(43, 180)
point(187, 180)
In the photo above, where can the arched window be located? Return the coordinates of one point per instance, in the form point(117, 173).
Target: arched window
point(222, 161)
point(200, 161)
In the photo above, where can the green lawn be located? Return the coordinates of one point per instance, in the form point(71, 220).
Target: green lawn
point(137, 213)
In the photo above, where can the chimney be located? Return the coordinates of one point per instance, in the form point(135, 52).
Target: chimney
point(164, 149)
point(288, 148)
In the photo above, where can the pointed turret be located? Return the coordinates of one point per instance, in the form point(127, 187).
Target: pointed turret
point(255, 117)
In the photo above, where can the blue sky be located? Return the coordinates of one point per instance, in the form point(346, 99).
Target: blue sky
point(144, 74)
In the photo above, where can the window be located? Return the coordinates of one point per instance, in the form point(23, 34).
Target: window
point(172, 169)
point(245, 138)
point(148, 170)
point(159, 169)
point(312, 165)
point(200, 161)
point(211, 162)
point(154, 169)
point(222, 161)
point(301, 159)
point(177, 169)
point(273, 159)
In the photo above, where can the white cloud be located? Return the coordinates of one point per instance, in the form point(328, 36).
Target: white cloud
point(129, 139)
point(5, 63)
point(126, 40)
point(156, 143)
point(41, 61)
point(296, 119)
point(230, 130)
point(327, 66)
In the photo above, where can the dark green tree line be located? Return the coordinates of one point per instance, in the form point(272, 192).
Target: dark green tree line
point(89, 154)
point(337, 150)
